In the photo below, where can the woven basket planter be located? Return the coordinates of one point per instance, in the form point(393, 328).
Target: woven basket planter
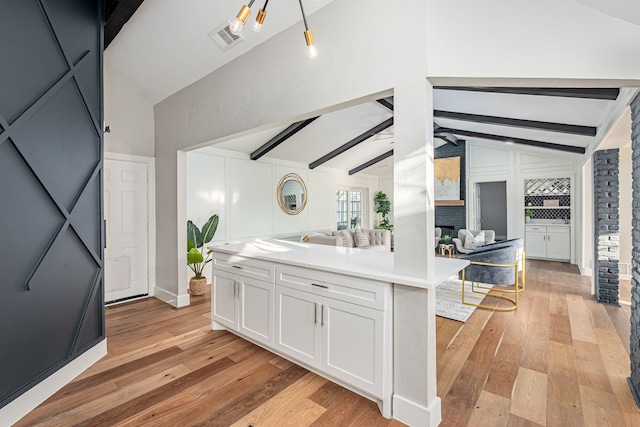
point(197, 286)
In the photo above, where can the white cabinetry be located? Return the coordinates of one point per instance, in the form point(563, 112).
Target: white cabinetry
point(548, 242)
point(242, 303)
point(336, 324)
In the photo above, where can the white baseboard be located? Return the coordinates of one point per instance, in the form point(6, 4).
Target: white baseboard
point(413, 414)
point(171, 298)
point(33, 397)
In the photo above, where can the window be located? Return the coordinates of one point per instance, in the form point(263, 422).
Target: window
point(350, 208)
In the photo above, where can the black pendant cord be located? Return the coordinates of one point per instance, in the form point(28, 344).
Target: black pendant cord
point(304, 18)
point(265, 5)
point(250, 3)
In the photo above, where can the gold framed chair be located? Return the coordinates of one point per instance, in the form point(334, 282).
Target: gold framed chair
point(502, 265)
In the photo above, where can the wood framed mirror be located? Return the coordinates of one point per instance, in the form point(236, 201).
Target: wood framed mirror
point(292, 194)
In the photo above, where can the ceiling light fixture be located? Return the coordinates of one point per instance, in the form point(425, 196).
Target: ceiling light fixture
point(236, 24)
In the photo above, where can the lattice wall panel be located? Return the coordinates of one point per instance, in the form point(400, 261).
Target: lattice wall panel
point(50, 187)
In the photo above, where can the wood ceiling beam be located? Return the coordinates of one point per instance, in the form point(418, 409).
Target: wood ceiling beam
point(522, 141)
point(446, 139)
point(355, 141)
point(520, 123)
point(371, 162)
point(386, 102)
point(281, 137)
point(117, 13)
point(608, 94)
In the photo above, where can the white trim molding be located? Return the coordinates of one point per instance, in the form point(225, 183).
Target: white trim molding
point(29, 400)
point(413, 414)
point(170, 298)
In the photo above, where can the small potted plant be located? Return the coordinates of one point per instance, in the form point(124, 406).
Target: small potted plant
point(196, 259)
point(446, 239)
point(528, 213)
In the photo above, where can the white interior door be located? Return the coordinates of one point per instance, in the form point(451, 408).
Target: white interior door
point(125, 209)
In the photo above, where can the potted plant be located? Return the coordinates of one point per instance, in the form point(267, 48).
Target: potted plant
point(196, 259)
point(528, 213)
point(383, 207)
point(446, 239)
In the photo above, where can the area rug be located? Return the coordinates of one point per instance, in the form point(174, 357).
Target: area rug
point(449, 299)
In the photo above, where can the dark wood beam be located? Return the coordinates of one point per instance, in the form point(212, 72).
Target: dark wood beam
point(522, 141)
point(446, 139)
point(386, 102)
point(520, 123)
point(281, 137)
point(355, 141)
point(371, 162)
point(609, 94)
point(116, 14)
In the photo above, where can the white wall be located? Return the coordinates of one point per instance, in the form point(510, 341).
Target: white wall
point(496, 161)
point(243, 193)
point(130, 119)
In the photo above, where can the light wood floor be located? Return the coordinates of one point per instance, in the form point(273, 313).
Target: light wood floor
point(559, 360)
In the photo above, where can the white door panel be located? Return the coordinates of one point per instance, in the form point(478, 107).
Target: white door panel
point(126, 254)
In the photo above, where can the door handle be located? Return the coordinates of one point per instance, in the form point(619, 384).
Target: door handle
point(322, 316)
point(235, 288)
point(315, 313)
point(320, 286)
point(239, 267)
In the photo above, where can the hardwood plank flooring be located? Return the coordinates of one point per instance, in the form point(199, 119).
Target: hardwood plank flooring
point(561, 359)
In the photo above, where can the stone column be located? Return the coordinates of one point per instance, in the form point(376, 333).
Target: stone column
point(634, 379)
point(607, 228)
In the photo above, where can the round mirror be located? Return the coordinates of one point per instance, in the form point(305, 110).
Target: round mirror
point(292, 194)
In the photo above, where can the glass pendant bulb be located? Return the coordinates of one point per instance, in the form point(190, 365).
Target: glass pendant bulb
point(235, 25)
point(257, 26)
point(312, 50)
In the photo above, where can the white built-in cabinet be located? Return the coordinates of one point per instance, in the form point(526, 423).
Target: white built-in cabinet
point(338, 326)
point(548, 242)
point(243, 298)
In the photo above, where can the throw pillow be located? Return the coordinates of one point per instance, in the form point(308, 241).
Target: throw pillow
point(362, 239)
point(478, 240)
point(348, 237)
point(471, 241)
point(468, 239)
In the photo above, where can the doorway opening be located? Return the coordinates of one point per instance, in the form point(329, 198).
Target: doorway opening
point(491, 207)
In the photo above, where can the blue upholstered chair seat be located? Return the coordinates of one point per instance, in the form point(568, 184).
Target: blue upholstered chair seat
point(501, 264)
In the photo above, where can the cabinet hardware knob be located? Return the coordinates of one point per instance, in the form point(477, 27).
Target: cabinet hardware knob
point(320, 286)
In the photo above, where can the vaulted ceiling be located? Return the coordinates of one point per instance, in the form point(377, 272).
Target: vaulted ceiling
point(164, 47)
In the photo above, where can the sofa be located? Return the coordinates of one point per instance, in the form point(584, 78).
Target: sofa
point(367, 239)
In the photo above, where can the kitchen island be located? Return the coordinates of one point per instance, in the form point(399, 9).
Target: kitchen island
point(336, 311)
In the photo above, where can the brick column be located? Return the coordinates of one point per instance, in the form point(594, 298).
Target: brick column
point(607, 227)
point(634, 379)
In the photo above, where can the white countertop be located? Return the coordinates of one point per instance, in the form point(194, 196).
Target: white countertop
point(350, 261)
point(548, 222)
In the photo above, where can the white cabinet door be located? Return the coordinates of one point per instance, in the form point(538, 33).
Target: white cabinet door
point(558, 244)
point(224, 308)
point(298, 325)
point(256, 310)
point(353, 344)
point(536, 244)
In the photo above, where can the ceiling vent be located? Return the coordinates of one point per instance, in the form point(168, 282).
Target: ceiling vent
point(224, 38)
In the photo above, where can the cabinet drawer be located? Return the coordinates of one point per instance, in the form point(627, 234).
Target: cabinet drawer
point(539, 228)
point(553, 229)
point(340, 287)
point(236, 264)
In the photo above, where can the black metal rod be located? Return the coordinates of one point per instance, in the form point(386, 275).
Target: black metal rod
point(304, 18)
